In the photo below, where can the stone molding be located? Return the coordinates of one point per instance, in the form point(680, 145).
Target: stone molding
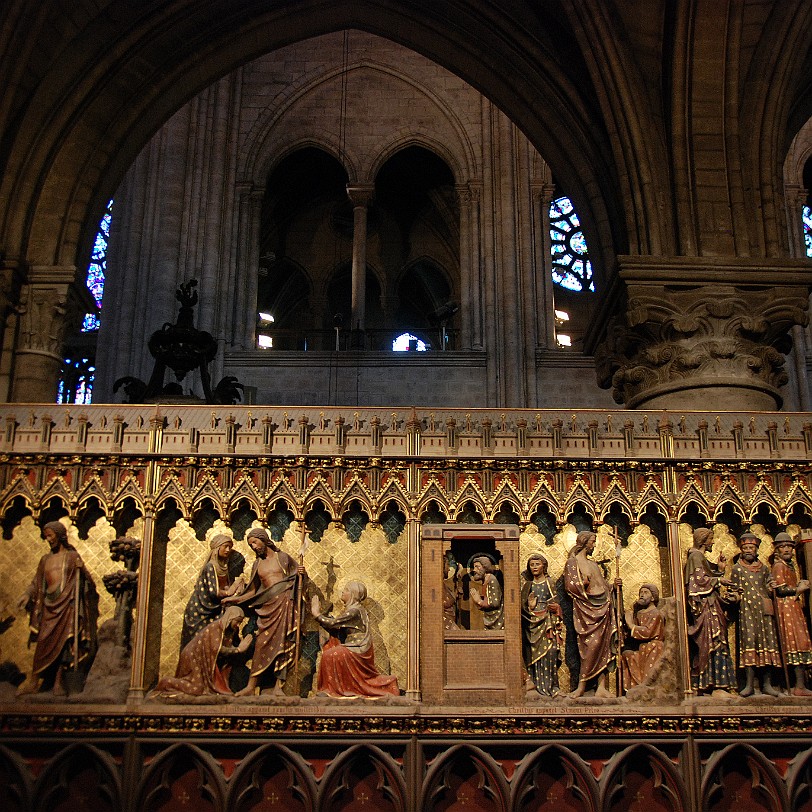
point(489, 436)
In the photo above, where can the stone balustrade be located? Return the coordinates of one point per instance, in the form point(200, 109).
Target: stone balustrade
point(169, 429)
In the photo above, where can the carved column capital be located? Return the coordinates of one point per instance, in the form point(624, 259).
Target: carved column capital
point(361, 195)
point(50, 305)
point(714, 330)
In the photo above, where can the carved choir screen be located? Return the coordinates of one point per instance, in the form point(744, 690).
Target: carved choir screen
point(436, 517)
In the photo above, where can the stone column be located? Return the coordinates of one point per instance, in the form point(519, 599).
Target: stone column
point(475, 295)
point(50, 305)
point(700, 332)
point(360, 196)
point(466, 271)
point(412, 686)
point(796, 197)
point(543, 194)
point(678, 585)
point(250, 208)
point(11, 282)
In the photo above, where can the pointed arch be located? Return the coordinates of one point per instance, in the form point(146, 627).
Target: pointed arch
point(468, 769)
point(208, 488)
point(320, 491)
point(472, 492)
point(88, 511)
point(363, 768)
point(799, 781)
point(395, 492)
point(245, 492)
point(506, 509)
point(59, 489)
point(432, 492)
point(358, 490)
point(615, 497)
point(93, 487)
point(798, 496)
point(652, 495)
point(20, 486)
point(182, 768)
point(79, 770)
point(171, 489)
point(13, 512)
point(555, 774)
point(15, 782)
point(643, 769)
point(130, 489)
point(272, 770)
point(692, 496)
point(728, 495)
point(579, 493)
point(741, 768)
point(280, 491)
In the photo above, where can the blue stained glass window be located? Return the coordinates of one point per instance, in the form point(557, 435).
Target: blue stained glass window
point(807, 216)
point(76, 381)
point(98, 267)
point(572, 268)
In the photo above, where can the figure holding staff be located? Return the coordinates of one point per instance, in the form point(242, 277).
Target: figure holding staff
point(270, 595)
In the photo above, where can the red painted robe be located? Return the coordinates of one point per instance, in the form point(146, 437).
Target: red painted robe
point(791, 621)
point(54, 615)
point(347, 668)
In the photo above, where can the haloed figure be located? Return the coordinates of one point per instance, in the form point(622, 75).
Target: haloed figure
point(542, 627)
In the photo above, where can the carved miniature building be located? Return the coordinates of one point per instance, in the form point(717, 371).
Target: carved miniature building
point(367, 171)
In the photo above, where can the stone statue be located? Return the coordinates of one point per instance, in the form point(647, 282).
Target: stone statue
point(203, 664)
point(452, 591)
point(489, 602)
point(269, 598)
point(593, 615)
point(646, 626)
point(793, 631)
point(347, 667)
point(711, 665)
point(756, 636)
point(219, 578)
point(542, 626)
point(63, 607)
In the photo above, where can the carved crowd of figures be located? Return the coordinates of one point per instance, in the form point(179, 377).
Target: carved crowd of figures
point(248, 634)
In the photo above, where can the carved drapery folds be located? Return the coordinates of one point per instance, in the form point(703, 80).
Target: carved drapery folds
point(719, 331)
